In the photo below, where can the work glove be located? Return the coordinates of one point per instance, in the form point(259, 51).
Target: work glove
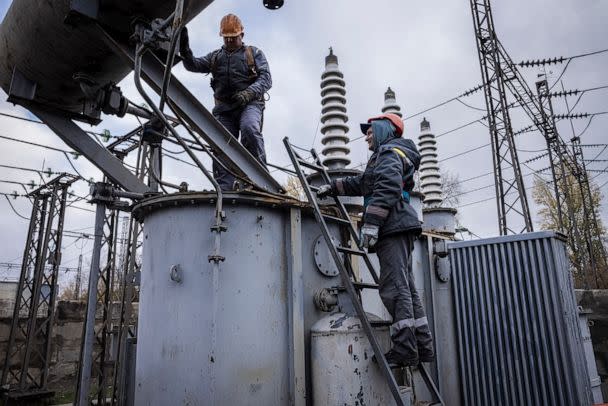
point(369, 235)
point(184, 44)
point(324, 190)
point(244, 97)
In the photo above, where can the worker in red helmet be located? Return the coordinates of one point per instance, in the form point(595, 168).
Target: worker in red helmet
point(390, 227)
point(240, 77)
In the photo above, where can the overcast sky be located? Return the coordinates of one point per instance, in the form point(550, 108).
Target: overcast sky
point(424, 50)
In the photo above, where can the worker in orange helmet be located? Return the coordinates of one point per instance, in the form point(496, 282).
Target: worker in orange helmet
point(240, 78)
point(390, 227)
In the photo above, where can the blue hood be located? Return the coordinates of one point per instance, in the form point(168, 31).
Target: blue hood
point(384, 131)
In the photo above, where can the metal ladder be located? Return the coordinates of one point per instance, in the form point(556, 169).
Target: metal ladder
point(353, 288)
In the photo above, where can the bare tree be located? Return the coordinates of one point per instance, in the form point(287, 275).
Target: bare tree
point(578, 250)
point(452, 188)
point(293, 188)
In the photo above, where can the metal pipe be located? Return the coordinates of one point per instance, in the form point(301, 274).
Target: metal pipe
point(157, 156)
point(177, 30)
point(89, 332)
point(128, 195)
point(154, 156)
point(219, 227)
point(138, 55)
point(138, 111)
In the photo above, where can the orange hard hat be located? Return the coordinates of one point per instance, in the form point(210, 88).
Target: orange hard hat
point(231, 26)
point(393, 118)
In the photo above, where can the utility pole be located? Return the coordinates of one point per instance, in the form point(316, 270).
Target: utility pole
point(497, 74)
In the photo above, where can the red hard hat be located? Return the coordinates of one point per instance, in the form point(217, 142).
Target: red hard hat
point(393, 118)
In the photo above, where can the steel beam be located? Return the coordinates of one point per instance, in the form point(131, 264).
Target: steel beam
point(99, 156)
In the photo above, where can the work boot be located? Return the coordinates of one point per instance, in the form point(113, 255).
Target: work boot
point(395, 360)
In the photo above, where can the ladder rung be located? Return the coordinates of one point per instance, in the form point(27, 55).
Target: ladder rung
point(363, 285)
point(336, 219)
point(311, 166)
point(350, 251)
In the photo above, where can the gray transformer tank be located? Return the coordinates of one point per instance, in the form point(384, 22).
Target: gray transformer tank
point(238, 335)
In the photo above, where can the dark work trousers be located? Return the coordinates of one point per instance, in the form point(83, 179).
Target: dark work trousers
point(410, 331)
point(246, 122)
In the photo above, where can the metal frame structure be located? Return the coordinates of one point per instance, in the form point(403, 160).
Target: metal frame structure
point(28, 356)
point(570, 179)
point(498, 72)
point(596, 251)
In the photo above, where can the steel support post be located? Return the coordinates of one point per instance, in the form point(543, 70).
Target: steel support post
point(297, 353)
point(127, 325)
point(86, 357)
point(96, 359)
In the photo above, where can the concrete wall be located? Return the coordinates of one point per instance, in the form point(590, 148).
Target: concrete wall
point(65, 347)
point(8, 291)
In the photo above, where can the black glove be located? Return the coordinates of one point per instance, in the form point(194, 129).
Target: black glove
point(244, 97)
point(324, 191)
point(184, 44)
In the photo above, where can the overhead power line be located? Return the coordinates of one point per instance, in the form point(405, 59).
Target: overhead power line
point(566, 93)
point(37, 145)
point(555, 60)
point(577, 115)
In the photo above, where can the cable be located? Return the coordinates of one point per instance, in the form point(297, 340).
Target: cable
point(76, 170)
point(465, 94)
point(37, 145)
point(461, 127)
point(473, 178)
point(15, 211)
point(600, 153)
point(560, 60)
point(566, 93)
point(469, 106)
point(41, 122)
point(464, 152)
point(577, 115)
